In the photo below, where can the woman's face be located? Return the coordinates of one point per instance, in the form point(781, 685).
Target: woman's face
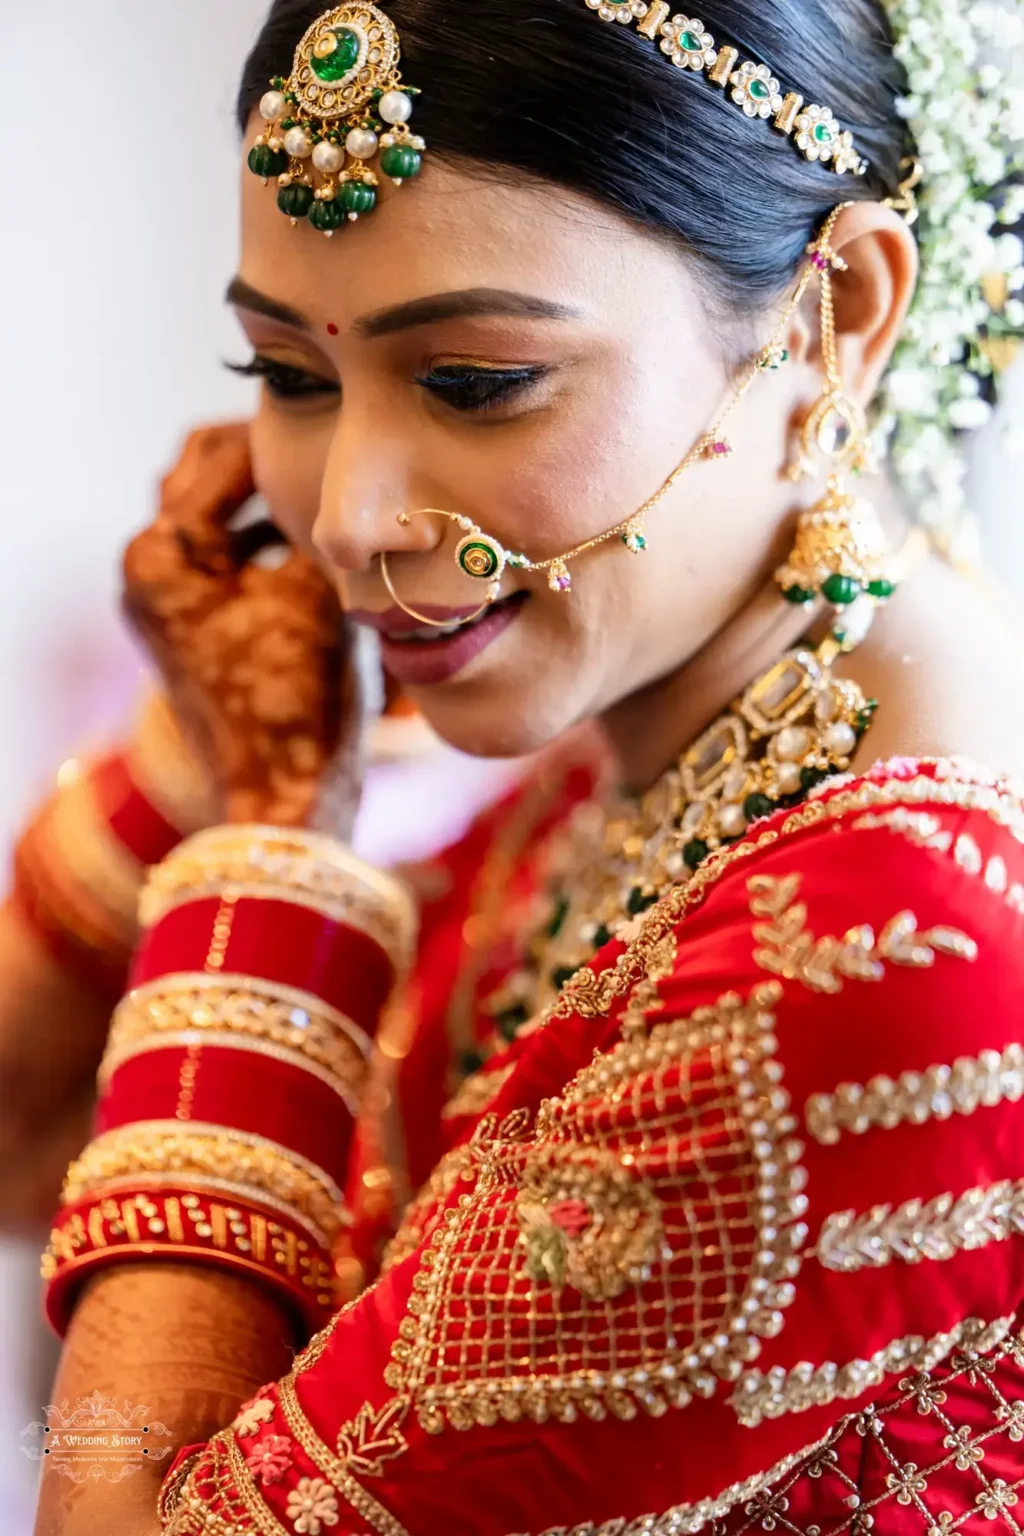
point(506, 351)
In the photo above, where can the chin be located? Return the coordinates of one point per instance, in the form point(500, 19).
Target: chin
point(492, 721)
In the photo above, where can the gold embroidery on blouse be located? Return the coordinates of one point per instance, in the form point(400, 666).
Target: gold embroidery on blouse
point(456, 1165)
point(478, 1092)
point(763, 1395)
point(788, 948)
point(922, 1229)
point(644, 999)
point(337, 1469)
point(216, 1496)
point(927, 831)
point(611, 1257)
point(762, 1502)
point(591, 994)
point(373, 1437)
point(914, 1098)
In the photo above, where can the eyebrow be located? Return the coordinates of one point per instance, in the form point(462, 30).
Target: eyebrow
point(467, 303)
point(244, 296)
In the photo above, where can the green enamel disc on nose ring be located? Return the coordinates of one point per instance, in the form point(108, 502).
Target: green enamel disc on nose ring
point(480, 557)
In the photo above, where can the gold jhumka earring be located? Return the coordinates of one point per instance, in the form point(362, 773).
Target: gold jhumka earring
point(840, 554)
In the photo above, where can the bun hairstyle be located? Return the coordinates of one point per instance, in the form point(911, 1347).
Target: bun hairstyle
point(544, 88)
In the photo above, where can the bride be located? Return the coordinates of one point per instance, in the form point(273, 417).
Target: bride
point(670, 1178)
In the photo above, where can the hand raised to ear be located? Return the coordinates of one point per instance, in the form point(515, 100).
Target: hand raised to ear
point(258, 662)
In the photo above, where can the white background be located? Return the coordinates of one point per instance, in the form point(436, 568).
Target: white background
point(118, 238)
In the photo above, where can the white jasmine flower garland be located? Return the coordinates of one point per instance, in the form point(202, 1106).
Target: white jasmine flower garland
point(966, 114)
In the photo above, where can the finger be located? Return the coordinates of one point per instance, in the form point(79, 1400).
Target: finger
point(212, 478)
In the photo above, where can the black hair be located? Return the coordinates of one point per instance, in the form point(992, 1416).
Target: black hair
point(545, 88)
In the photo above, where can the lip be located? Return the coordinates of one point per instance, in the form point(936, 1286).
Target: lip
point(425, 663)
point(395, 621)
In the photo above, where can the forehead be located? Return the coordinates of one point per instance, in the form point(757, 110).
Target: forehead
point(457, 228)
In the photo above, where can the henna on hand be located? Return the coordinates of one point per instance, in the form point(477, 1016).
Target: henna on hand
point(258, 662)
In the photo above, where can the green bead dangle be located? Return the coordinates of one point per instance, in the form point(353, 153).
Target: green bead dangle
point(266, 161)
point(295, 199)
point(343, 105)
point(401, 162)
point(326, 215)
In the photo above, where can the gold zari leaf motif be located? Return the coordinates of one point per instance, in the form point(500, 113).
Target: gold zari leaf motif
point(922, 1229)
point(914, 1098)
point(788, 948)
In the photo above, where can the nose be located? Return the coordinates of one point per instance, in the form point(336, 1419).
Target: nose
point(365, 488)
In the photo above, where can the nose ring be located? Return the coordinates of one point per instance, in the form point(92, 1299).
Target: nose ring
point(477, 555)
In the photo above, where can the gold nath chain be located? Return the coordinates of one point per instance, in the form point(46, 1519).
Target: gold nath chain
point(713, 445)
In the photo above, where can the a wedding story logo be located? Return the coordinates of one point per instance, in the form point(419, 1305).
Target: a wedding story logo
point(96, 1439)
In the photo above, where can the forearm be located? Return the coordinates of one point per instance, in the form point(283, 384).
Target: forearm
point(52, 1029)
point(192, 1345)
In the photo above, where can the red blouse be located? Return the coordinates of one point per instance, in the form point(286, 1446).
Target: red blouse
point(737, 1240)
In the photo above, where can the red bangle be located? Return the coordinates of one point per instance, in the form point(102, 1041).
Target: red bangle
point(179, 1224)
point(235, 1064)
point(273, 941)
point(80, 865)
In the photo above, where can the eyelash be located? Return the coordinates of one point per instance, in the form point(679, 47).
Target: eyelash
point(283, 380)
point(460, 386)
point(465, 388)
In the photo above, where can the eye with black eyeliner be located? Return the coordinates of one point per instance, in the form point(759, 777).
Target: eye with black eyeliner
point(471, 387)
point(284, 380)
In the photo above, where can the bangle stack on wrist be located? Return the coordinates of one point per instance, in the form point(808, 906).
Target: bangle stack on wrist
point(235, 1065)
point(82, 861)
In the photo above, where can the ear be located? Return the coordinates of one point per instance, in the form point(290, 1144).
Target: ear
point(871, 297)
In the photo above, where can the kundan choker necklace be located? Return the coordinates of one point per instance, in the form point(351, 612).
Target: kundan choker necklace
point(794, 726)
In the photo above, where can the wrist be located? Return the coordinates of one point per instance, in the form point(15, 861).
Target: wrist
point(235, 1066)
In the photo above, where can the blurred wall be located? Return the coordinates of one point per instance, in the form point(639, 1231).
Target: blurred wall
point(112, 326)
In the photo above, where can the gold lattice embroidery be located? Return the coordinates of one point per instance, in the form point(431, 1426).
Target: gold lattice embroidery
point(922, 1229)
point(822, 1479)
point(915, 1098)
point(788, 948)
point(611, 1257)
point(588, 1221)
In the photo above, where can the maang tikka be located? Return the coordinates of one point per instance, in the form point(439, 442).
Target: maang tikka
point(343, 103)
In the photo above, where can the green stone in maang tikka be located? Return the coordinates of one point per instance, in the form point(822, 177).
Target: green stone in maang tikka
point(341, 60)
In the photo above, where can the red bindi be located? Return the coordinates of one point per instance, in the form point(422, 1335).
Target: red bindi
point(332, 329)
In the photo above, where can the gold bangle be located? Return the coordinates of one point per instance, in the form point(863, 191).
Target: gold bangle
point(304, 868)
point(210, 1157)
point(257, 1013)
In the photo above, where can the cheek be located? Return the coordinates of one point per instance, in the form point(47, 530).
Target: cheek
point(289, 459)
